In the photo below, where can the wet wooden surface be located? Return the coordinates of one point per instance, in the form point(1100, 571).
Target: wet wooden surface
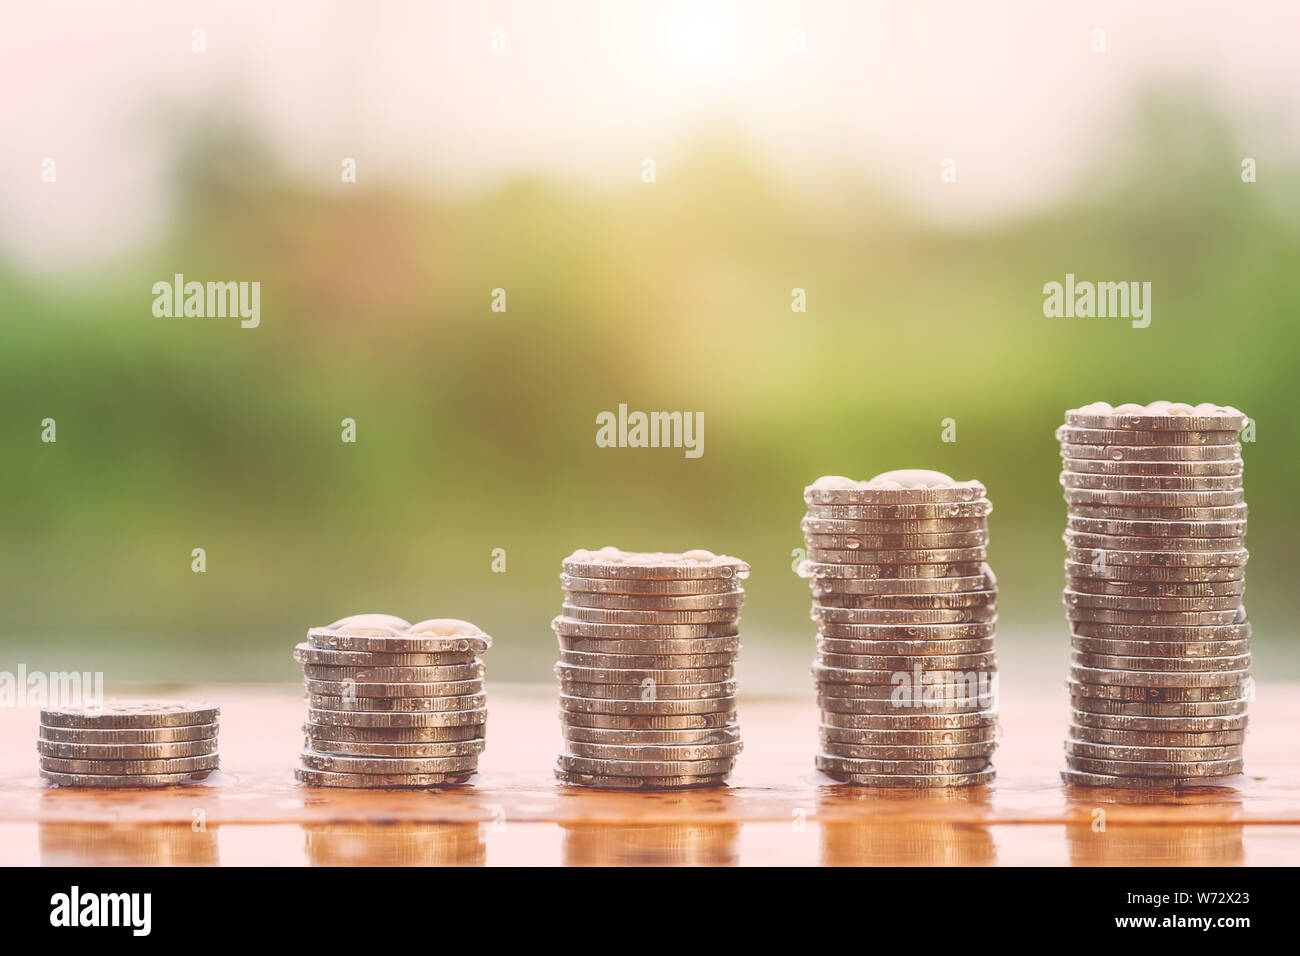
point(778, 810)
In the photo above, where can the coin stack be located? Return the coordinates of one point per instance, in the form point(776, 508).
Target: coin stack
point(906, 608)
point(392, 704)
point(128, 744)
point(647, 647)
point(1155, 571)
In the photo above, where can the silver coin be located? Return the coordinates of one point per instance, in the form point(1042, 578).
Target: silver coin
point(1151, 754)
point(1162, 724)
point(1212, 418)
point(1183, 664)
point(1151, 679)
point(1080, 479)
point(306, 654)
point(325, 639)
point(656, 602)
point(128, 735)
point(1189, 546)
point(916, 672)
point(908, 648)
point(380, 690)
point(903, 587)
point(637, 647)
point(133, 767)
point(887, 755)
point(1161, 693)
point(690, 737)
point(568, 627)
point(1076, 435)
point(821, 571)
point(654, 662)
point(1140, 708)
point(904, 697)
point(686, 586)
point(637, 783)
point(378, 781)
point(886, 707)
point(891, 542)
point(884, 526)
point(629, 722)
point(123, 780)
point(397, 719)
point(1134, 768)
point(185, 748)
point(623, 617)
point(1167, 469)
point(1158, 589)
point(1129, 602)
point(608, 675)
point(398, 675)
point(904, 632)
point(132, 715)
point(1234, 514)
point(644, 768)
point(1154, 618)
point(1221, 452)
point(662, 566)
point(900, 617)
point(1155, 738)
point(837, 764)
point(980, 508)
point(368, 736)
point(456, 704)
point(863, 495)
point(916, 781)
point(969, 720)
point(1155, 499)
point(898, 556)
point(398, 765)
point(957, 600)
point(650, 692)
point(1160, 529)
point(1185, 650)
point(909, 739)
point(1109, 572)
point(352, 748)
point(1163, 634)
point(905, 662)
point(657, 707)
point(643, 752)
point(1075, 778)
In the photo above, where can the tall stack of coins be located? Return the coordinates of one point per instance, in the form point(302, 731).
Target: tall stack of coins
point(1155, 571)
point(905, 607)
point(392, 704)
point(128, 744)
point(647, 647)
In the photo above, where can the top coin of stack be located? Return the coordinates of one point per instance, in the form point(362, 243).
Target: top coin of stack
point(648, 643)
point(905, 608)
point(128, 744)
point(1155, 572)
point(392, 704)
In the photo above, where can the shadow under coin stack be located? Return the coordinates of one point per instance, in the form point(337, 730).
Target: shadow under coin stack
point(129, 744)
point(906, 608)
point(648, 643)
point(392, 704)
point(1155, 571)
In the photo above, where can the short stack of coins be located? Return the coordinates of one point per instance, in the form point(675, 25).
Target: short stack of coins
point(906, 607)
point(1155, 572)
point(392, 704)
point(648, 643)
point(128, 744)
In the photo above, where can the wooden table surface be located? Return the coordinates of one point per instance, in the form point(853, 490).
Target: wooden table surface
point(777, 810)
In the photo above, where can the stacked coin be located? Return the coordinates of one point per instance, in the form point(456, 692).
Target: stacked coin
point(647, 647)
point(905, 607)
point(128, 744)
point(392, 704)
point(1155, 571)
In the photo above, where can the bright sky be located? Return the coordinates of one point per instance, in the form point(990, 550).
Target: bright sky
point(582, 89)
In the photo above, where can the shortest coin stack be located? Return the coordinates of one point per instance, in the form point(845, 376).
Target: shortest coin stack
point(648, 643)
point(128, 744)
point(391, 704)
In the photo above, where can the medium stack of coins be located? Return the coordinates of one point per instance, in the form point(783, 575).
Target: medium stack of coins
point(647, 647)
point(1155, 571)
point(905, 607)
point(128, 744)
point(392, 704)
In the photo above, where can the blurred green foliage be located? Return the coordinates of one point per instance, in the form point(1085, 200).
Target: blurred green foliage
point(476, 429)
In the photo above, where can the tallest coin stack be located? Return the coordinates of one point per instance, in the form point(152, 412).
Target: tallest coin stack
point(1155, 571)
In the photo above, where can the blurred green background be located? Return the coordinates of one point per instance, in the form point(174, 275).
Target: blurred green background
point(476, 429)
